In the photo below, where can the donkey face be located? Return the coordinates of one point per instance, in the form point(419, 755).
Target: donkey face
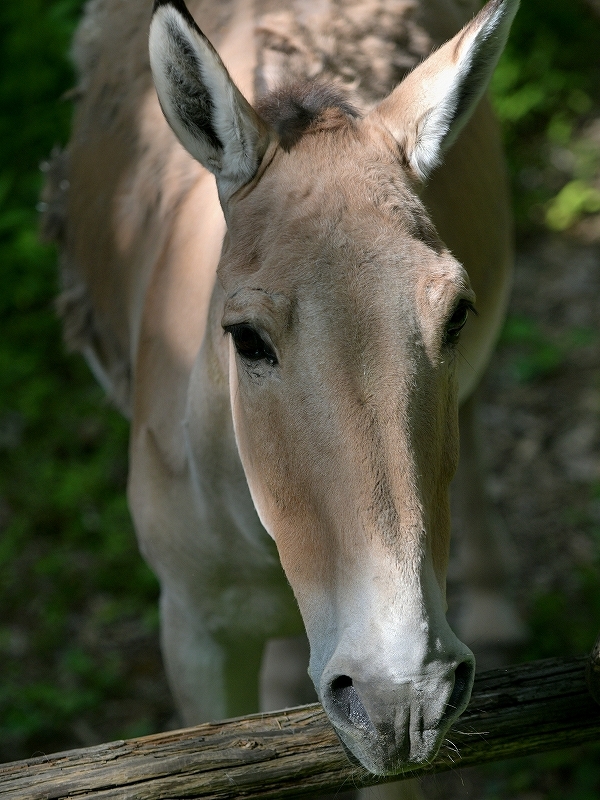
point(343, 343)
point(343, 326)
point(344, 311)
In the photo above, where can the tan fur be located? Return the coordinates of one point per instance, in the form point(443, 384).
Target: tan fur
point(125, 163)
point(362, 480)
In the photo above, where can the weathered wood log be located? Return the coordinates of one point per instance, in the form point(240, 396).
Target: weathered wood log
point(516, 711)
point(592, 671)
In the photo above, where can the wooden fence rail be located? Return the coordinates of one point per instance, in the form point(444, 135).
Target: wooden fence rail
point(525, 709)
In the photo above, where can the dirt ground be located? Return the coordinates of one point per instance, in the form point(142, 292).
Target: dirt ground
point(540, 414)
point(540, 418)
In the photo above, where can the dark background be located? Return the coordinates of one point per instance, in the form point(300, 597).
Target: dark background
point(79, 660)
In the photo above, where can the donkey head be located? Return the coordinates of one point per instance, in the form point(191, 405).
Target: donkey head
point(344, 310)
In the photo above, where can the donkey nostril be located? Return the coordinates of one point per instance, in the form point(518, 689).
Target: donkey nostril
point(463, 678)
point(340, 683)
point(346, 698)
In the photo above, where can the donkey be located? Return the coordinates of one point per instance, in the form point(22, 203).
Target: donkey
point(292, 341)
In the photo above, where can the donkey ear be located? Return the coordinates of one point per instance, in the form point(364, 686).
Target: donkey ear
point(427, 111)
point(207, 112)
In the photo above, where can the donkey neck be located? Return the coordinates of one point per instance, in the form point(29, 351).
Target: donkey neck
point(365, 47)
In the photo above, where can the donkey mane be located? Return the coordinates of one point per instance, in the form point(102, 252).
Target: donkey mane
point(297, 108)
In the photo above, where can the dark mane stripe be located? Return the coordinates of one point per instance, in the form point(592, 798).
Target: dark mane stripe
point(293, 108)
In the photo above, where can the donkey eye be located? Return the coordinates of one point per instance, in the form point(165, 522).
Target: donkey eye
point(458, 321)
point(250, 345)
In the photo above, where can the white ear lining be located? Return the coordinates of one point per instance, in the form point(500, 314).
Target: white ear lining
point(426, 112)
point(207, 112)
point(441, 125)
point(168, 70)
point(234, 121)
point(433, 133)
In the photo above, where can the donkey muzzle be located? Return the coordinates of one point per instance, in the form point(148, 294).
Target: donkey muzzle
point(397, 726)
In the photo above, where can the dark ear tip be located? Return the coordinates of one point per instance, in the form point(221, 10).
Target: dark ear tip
point(159, 3)
point(178, 5)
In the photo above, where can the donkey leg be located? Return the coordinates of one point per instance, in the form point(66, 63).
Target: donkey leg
point(211, 677)
point(284, 680)
point(488, 620)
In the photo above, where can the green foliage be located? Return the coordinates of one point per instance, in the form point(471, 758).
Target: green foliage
point(547, 83)
point(565, 623)
point(574, 200)
point(535, 354)
point(66, 537)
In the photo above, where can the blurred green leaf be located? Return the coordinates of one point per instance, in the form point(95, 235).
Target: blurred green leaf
point(574, 200)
